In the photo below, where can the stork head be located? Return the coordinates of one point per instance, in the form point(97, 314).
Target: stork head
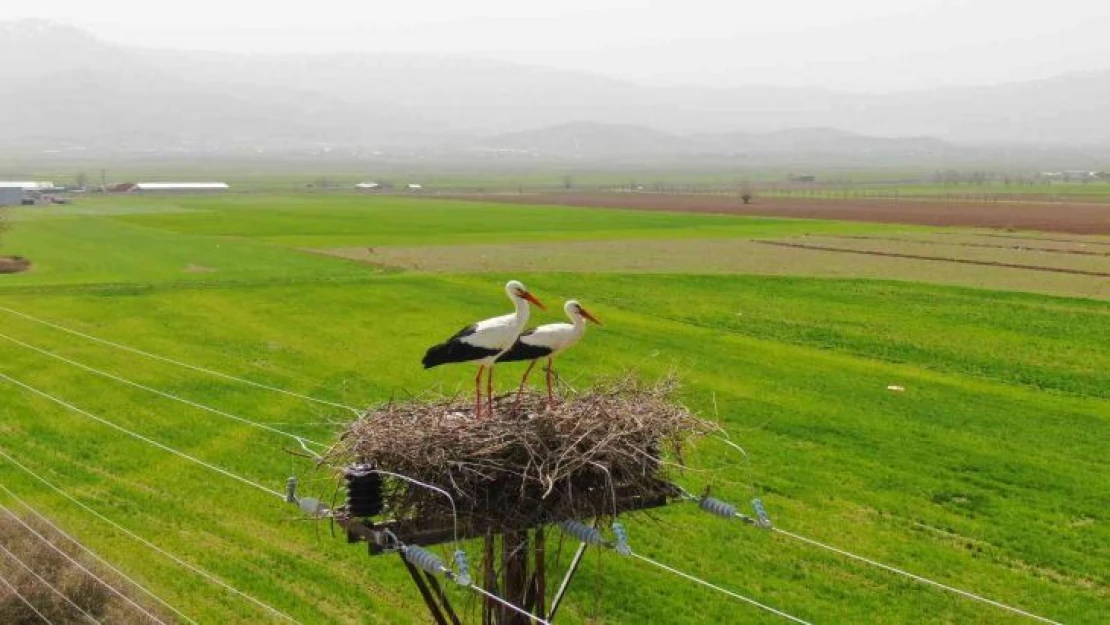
point(575, 310)
point(516, 291)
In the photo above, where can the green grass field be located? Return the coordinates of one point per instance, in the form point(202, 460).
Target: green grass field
point(989, 472)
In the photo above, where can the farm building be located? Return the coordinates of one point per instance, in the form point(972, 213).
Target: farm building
point(178, 187)
point(412, 186)
point(1071, 175)
point(368, 186)
point(1078, 175)
point(10, 196)
point(14, 192)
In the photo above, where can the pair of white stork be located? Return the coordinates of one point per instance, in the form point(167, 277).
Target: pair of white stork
point(503, 339)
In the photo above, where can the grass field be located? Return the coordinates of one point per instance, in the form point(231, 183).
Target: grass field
point(989, 472)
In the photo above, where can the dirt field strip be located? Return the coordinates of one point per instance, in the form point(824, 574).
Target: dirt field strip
point(726, 256)
point(962, 261)
point(1063, 217)
point(945, 247)
point(1021, 238)
point(1015, 247)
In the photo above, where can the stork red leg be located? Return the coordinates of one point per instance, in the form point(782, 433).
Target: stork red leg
point(524, 380)
point(550, 364)
point(489, 391)
point(478, 392)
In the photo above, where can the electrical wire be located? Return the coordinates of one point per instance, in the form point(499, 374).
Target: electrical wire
point(195, 569)
point(120, 428)
point(303, 440)
point(923, 580)
point(46, 583)
point(719, 589)
point(696, 579)
point(300, 439)
point(436, 489)
point(186, 365)
point(97, 557)
point(508, 604)
point(322, 511)
point(30, 605)
point(74, 562)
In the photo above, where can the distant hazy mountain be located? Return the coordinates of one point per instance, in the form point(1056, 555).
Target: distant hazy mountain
point(593, 140)
point(821, 141)
point(62, 87)
point(70, 89)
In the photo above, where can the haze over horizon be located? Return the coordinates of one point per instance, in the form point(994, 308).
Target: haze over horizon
point(76, 90)
point(870, 46)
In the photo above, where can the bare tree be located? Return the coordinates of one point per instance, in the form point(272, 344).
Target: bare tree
point(568, 181)
point(81, 180)
point(746, 193)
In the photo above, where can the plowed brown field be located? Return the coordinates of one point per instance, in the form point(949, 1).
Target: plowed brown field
point(1075, 217)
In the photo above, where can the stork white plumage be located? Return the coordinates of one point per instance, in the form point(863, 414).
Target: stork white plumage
point(548, 341)
point(484, 341)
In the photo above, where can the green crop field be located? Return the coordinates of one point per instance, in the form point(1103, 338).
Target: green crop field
point(988, 472)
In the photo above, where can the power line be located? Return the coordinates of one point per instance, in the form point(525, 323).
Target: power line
point(30, 605)
point(508, 604)
point(724, 509)
point(42, 579)
point(923, 580)
point(195, 569)
point(74, 562)
point(719, 589)
point(212, 467)
point(422, 559)
point(92, 553)
point(300, 439)
point(140, 352)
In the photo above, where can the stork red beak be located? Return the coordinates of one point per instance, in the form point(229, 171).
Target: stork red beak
point(586, 314)
point(532, 298)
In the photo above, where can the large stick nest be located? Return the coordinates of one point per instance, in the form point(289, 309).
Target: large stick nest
point(592, 454)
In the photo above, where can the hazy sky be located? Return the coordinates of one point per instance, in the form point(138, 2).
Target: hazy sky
point(864, 45)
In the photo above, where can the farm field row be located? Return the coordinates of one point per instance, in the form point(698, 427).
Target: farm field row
point(939, 262)
point(1051, 216)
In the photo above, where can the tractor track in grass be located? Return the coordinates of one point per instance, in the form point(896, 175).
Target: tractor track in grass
point(962, 261)
point(1000, 246)
point(1045, 239)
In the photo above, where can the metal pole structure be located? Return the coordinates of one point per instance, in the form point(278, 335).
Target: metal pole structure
point(433, 607)
point(444, 602)
point(558, 598)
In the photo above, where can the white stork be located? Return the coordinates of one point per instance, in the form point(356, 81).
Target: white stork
point(548, 341)
point(484, 341)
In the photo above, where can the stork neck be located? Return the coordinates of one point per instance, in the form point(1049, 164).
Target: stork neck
point(522, 310)
point(579, 323)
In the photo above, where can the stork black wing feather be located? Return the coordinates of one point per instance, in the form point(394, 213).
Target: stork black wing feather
point(523, 351)
point(455, 350)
